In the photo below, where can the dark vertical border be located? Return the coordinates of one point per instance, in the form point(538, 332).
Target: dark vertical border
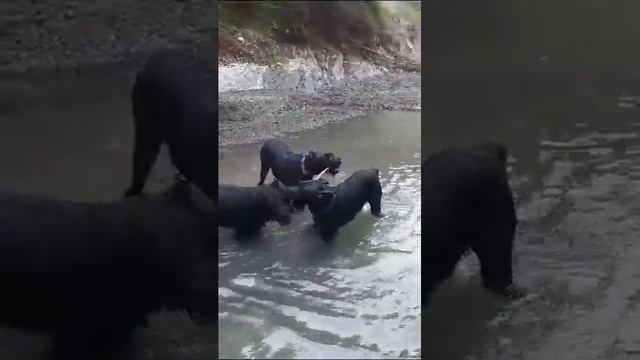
point(425, 16)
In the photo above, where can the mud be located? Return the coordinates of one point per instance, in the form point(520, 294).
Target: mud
point(46, 35)
point(310, 86)
point(254, 115)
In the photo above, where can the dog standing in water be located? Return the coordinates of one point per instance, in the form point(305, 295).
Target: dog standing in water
point(248, 209)
point(90, 273)
point(290, 168)
point(467, 204)
point(175, 102)
point(334, 207)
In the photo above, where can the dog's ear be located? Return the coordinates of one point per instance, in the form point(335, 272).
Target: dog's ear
point(311, 154)
point(328, 155)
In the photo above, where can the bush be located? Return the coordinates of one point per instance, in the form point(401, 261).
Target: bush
point(313, 23)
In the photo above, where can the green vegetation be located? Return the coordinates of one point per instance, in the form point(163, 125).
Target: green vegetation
point(347, 26)
point(314, 23)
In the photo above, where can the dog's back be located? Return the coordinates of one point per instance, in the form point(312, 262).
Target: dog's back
point(69, 267)
point(350, 196)
point(467, 201)
point(362, 179)
point(458, 181)
point(251, 207)
point(277, 156)
point(273, 146)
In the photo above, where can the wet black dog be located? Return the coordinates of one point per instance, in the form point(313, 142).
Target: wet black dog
point(90, 273)
point(175, 101)
point(467, 204)
point(291, 168)
point(248, 209)
point(334, 207)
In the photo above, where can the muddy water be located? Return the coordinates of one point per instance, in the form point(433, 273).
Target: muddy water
point(558, 89)
point(575, 167)
point(69, 136)
point(291, 295)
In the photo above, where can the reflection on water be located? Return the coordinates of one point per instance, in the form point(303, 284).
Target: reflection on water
point(578, 249)
point(292, 295)
point(575, 169)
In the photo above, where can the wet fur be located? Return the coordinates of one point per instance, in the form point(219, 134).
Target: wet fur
point(275, 155)
point(175, 102)
point(337, 206)
point(248, 209)
point(467, 205)
point(89, 273)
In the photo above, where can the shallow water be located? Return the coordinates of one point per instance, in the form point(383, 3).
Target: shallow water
point(575, 169)
point(289, 294)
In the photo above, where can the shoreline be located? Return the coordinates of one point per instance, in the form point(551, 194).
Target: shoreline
point(251, 116)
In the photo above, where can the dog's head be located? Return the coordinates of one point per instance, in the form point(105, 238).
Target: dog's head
point(316, 192)
point(315, 162)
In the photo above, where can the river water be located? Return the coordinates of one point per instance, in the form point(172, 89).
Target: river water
point(289, 294)
point(558, 83)
point(575, 170)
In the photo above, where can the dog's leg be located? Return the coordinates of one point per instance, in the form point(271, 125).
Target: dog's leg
point(264, 167)
point(146, 148)
point(375, 200)
point(298, 204)
point(327, 233)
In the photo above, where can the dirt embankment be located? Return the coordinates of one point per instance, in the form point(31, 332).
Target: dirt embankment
point(270, 32)
point(287, 67)
point(53, 34)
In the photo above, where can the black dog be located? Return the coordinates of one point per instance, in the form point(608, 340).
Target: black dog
point(468, 204)
point(175, 101)
point(334, 207)
point(248, 209)
point(291, 168)
point(90, 273)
